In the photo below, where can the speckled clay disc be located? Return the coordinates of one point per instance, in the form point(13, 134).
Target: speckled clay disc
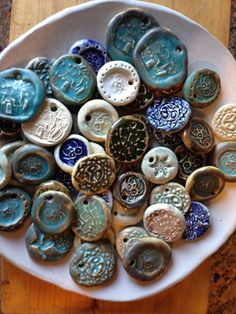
point(223, 123)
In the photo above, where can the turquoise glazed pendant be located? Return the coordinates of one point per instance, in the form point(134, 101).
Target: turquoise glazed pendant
point(21, 94)
point(161, 60)
point(72, 79)
point(47, 247)
point(124, 31)
point(93, 264)
point(15, 206)
point(53, 212)
point(32, 164)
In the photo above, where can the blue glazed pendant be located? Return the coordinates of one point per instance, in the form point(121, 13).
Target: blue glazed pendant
point(124, 31)
point(33, 164)
point(47, 247)
point(92, 51)
point(64, 178)
point(169, 114)
point(15, 206)
point(53, 212)
point(21, 94)
point(72, 79)
point(197, 221)
point(161, 60)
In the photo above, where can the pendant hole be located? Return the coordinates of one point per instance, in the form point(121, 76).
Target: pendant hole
point(125, 240)
point(85, 202)
point(131, 263)
point(167, 190)
point(115, 213)
point(131, 82)
point(81, 264)
point(14, 195)
point(178, 49)
point(194, 96)
point(212, 193)
point(88, 118)
point(125, 197)
point(18, 77)
point(49, 197)
point(54, 108)
point(78, 61)
point(151, 159)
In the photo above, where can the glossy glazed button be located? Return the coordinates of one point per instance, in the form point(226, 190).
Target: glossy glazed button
point(131, 189)
point(124, 30)
point(126, 237)
point(53, 212)
point(94, 53)
point(93, 264)
point(15, 206)
point(197, 221)
point(21, 94)
point(5, 170)
point(144, 99)
point(205, 183)
point(160, 165)
point(51, 185)
point(42, 66)
point(97, 149)
point(169, 114)
point(93, 218)
point(127, 139)
point(72, 79)
point(71, 150)
point(118, 83)
point(64, 178)
point(223, 123)
point(47, 247)
point(95, 119)
point(161, 60)
point(169, 140)
point(164, 221)
point(147, 258)
point(8, 128)
point(201, 87)
point(188, 161)
point(224, 158)
point(50, 126)
point(93, 174)
point(171, 193)
point(198, 136)
point(32, 164)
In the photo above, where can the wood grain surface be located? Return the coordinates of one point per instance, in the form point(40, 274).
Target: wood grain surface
point(24, 294)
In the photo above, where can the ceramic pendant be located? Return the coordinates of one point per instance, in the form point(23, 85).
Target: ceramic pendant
point(223, 123)
point(93, 218)
point(5, 170)
point(95, 119)
point(71, 150)
point(160, 165)
point(93, 52)
point(127, 139)
point(201, 87)
point(205, 183)
point(118, 83)
point(93, 264)
point(53, 212)
point(32, 164)
point(50, 126)
point(147, 258)
point(51, 185)
point(93, 174)
point(169, 114)
point(72, 79)
point(21, 94)
point(15, 206)
point(164, 221)
point(161, 60)
point(47, 247)
point(42, 66)
point(124, 31)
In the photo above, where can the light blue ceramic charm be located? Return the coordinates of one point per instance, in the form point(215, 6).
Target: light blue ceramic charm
point(53, 212)
point(124, 31)
point(161, 60)
point(15, 206)
point(21, 94)
point(41, 66)
point(47, 247)
point(93, 264)
point(169, 114)
point(72, 79)
point(197, 221)
point(33, 164)
point(92, 51)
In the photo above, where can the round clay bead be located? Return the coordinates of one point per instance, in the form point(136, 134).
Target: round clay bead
point(223, 123)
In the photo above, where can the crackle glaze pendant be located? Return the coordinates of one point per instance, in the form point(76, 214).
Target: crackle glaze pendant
point(223, 123)
point(21, 94)
point(124, 31)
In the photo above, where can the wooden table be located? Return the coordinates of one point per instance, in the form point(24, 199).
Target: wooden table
point(24, 294)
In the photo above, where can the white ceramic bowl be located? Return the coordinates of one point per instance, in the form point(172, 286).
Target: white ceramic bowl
point(52, 38)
